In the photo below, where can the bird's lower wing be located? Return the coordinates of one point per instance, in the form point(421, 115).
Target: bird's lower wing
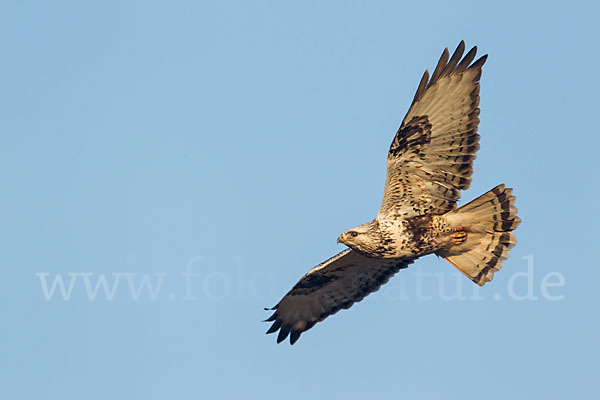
point(333, 285)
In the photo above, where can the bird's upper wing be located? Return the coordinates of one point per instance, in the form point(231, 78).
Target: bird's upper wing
point(431, 157)
point(335, 284)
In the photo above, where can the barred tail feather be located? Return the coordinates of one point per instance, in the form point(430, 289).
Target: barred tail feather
point(487, 221)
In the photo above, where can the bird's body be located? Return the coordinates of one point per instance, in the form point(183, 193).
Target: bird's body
point(401, 237)
point(429, 162)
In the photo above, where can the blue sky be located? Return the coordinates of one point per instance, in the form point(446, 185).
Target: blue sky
point(215, 150)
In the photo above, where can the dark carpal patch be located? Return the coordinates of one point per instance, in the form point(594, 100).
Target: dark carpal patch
point(313, 282)
point(411, 137)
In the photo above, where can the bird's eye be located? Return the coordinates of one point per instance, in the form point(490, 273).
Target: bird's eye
point(353, 234)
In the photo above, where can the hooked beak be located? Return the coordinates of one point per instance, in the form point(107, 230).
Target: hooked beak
point(344, 239)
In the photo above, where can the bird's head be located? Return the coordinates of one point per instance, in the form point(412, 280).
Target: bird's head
point(362, 238)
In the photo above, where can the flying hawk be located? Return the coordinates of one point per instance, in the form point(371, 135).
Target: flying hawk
point(429, 162)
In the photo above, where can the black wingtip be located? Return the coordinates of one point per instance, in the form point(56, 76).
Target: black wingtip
point(422, 86)
point(467, 59)
point(283, 333)
point(271, 318)
point(274, 327)
point(479, 63)
point(460, 49)
point(441, 65)
point(295, 335)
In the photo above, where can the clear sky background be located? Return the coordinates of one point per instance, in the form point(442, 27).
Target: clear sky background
point(235, 141)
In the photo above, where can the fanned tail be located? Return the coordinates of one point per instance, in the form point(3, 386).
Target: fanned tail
point(487, 222)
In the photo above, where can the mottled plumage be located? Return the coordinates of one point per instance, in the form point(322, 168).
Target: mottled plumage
point(429, 162)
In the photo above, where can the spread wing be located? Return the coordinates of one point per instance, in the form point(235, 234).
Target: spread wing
point(431, 157)
point(335, 284)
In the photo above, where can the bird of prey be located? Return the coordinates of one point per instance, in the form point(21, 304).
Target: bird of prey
point(429, 162)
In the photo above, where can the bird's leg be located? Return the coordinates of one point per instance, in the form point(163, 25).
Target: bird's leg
point(459, 236)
